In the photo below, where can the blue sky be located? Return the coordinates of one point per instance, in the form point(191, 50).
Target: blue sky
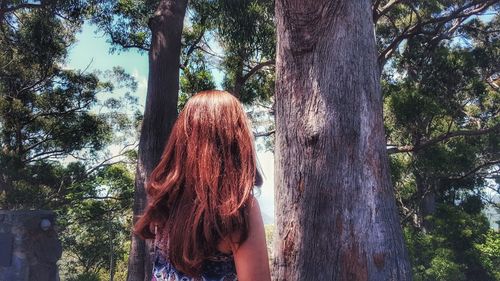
point(91, 52)
point(91, 47)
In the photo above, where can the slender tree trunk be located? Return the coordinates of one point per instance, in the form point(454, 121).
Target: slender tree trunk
point(159, 115)
point(426, 190)
point(335, 207)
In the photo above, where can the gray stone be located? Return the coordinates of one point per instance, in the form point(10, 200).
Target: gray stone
point(34, 252)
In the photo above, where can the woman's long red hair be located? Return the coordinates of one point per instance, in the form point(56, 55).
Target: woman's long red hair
point(200, 189)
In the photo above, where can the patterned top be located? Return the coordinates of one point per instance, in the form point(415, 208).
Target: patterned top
point(219, 267)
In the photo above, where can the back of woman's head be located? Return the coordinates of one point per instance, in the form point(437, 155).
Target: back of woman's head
point(200, 188)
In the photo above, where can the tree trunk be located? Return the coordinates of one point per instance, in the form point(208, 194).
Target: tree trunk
point(159, 115)
point(335, 207)
point(427, 200)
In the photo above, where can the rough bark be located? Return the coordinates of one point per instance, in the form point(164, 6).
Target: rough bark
point(159, 115)
point(335, 208)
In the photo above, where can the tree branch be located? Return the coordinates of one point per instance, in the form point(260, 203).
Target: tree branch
point(383, 10)
point(472, 171)
point(448, 135)
point(124, 45)
point(256, 68)
point(263, 134)
point(411, 30)
point(195, 44)
point(4, 8)
point(105, 162)
point(21, 6)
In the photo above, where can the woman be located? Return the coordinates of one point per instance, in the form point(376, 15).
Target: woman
point(206, 223)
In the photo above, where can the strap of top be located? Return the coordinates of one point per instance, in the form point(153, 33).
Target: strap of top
point(155, 243)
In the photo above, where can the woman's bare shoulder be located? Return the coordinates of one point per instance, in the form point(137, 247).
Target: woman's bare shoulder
point(251, 257)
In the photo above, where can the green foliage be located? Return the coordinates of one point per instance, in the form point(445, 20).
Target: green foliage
point(44, 109)
point(86, 276)
point(56, 125)
point(443, 268)
point(194, 78)
point(72, 270)
point(246, 32)
point(124, 21)
point(437, 102)
point(489, 253)
point(452, 250)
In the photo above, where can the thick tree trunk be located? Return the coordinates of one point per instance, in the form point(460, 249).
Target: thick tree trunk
point(159, 115)
point(335, 207)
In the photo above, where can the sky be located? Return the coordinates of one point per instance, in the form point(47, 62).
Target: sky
point(91, 52)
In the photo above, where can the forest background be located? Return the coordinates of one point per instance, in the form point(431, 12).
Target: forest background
point(73, 81)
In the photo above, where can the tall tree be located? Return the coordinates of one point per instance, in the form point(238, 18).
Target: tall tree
point(442, 119)
point(45, 160)
point(43, 109)
point(126, 24)
point(160, 112)
point(336, 214)
point(444, 98)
